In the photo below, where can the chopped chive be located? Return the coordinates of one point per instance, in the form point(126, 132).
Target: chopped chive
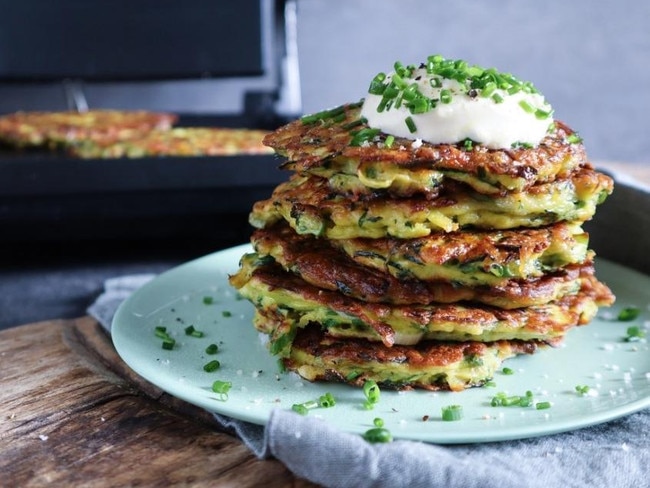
point(371, 391)
point(222, 388)
point(212, 349)
point(452, 413)
point(363, 135)
point(161, 332)
point(410, 124)
point(445, 96)
point(526, 106)
point(496, 98)
point(468, 144)
point(543, 405)
point(212, 366)
point(525, 401)
point(521, 145)
point(378, 435)
point(207, 300)
point(503, 400)
point(511, 401)
point(324, 401)
point(304, 408)
point(377, 85)
point(378, 422)
point(411, 92)
point(628, 314)
point(398, 81)
point(325, 114)
point(582, 389)
point(398, 100)
point(435, 82)
point(390, 139)
point(168, 342)
point(574, 138)
point(507, 371)
point(420, 105)
point(355, 123)
point(191, 331)
point(543, 114)
point(391, 91)
point(299, 408)
point(327, 400)
point(226, 313)
point(634, 333)
point(488, 89)
point(384, 104)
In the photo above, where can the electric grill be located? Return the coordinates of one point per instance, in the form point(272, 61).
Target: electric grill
point(92, 54)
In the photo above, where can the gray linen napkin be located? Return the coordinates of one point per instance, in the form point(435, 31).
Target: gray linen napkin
point(612, 455)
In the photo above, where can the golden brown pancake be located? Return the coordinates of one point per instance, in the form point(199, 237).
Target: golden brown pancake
point(310, 143)
point(294, 303)
point(319, 263)
point(309, 205)
point(474, 257)
point(430, 365)
point(179, 141)
point(59, 128)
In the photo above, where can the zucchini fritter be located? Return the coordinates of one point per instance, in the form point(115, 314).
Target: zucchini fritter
point(311, 207)
point(61, 128)
point(396, 182)
point(468, 258)
point(429, 365)
point(319, 263)
point(294, 303)
point(309, 146)
point(179, 141)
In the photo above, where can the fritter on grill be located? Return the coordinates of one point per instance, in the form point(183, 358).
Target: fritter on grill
point(429, 365)
point(327, 142)
point(295, 303)
point(311, 207)
point(179, 141)
point(59, 128)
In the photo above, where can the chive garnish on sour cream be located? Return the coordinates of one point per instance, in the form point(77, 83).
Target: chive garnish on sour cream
point(435, 100)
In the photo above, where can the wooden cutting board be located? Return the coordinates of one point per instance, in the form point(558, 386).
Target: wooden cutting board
point(73, 414)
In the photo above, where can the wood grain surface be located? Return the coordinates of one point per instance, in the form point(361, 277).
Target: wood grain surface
point(73, 414)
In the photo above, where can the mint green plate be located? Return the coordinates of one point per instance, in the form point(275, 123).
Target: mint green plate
point(617, 372)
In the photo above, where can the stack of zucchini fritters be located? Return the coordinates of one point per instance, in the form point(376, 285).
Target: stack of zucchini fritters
point(419, 265)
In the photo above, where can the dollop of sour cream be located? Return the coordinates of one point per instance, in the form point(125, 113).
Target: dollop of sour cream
point(446, 102)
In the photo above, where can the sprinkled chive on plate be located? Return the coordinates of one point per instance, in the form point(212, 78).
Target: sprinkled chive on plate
point(602, 372)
